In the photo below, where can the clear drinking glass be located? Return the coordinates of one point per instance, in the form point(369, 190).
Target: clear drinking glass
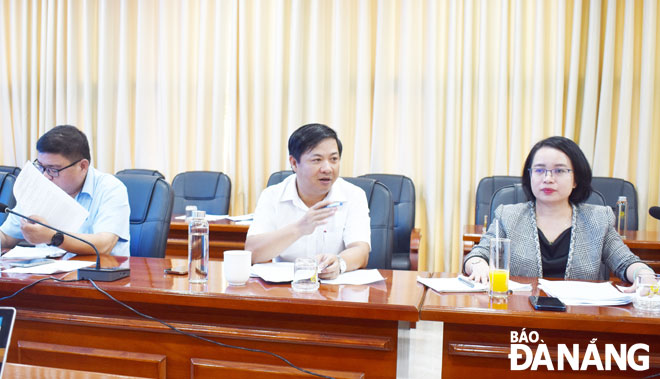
point(189, 212)
point(622, 216)
point(500, 256)
point(647, 294)
point(305, 275)
point(198, 248)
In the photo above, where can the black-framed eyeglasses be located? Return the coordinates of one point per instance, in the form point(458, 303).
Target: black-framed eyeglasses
point(541, 172)
point(52, 172)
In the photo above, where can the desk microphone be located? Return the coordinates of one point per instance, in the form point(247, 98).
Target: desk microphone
point(655, 212)
point(98, 273)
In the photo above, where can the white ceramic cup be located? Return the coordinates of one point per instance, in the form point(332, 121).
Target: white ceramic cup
point(236, 266)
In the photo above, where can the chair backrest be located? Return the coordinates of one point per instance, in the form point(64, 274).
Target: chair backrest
point(151, 199)
point(11, 170)
point(7, 181)
point(278, 177)
point(141, 171)
point(514, 194)
point(381, 212)
point(208, 190)
point(485, 190)
point(611, 189)
point(402, 189)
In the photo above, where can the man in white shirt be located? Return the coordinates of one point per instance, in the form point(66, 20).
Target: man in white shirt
point(292, 218)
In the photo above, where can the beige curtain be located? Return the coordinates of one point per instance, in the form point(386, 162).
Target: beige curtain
point(445, 92)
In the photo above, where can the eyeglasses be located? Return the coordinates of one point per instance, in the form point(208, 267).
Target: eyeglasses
point(52, 172)
point(541, 172)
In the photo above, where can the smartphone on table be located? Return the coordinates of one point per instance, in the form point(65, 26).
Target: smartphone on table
point(547, 303)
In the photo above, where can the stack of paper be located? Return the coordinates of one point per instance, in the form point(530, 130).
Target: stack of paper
point(585, 293)
point(461, 285)
point(356, 277)
point(21, 252)
point(274, 272)
point(50, 268)
point(242, 220)
point(208, 217)
point(282, 272)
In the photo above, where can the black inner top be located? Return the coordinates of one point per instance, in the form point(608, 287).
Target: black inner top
point(554, 255)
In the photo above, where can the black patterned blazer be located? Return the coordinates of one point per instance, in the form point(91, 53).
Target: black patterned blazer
point(595, 245)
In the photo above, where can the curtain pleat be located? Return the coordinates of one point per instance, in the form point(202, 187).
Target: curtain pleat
point(443, 91)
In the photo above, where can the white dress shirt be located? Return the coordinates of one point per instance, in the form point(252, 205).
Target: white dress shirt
point(280, 205)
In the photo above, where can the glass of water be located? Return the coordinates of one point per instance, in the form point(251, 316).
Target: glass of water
point(189, 212)
point(305, 275)
point(647, 294)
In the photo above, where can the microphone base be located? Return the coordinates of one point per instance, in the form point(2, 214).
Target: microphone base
point(103, 274)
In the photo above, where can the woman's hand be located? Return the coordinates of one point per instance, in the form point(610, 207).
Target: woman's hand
point(477, 269)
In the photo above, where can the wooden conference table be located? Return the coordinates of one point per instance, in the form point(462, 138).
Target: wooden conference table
point(223, 235)
point(477, 333)
point(344, 331)
point(645, 244)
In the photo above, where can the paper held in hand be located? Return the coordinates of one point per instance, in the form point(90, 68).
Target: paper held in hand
point(36, 195)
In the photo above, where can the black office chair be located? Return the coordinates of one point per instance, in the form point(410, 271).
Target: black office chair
point(151, 199)
point(402, 189)
point(381, 213)
point(485, 190)
point(11, 170)
point(208, 190)
point(7, 181)
point(514, 194)
point(611, 189)
point(278, 177)
point(141, 171)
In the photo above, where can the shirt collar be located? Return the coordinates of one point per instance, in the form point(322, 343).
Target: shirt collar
point(290, 192)
point(88, 185)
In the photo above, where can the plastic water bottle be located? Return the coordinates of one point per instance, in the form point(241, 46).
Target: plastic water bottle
point(622, 216)
point(198, 248)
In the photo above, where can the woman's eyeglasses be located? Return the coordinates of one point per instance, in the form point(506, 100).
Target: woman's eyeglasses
point(541, 172)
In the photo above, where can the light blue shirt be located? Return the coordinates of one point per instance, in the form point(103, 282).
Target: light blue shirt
point(106, 200)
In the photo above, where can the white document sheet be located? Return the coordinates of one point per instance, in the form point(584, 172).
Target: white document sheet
point(282, 272)
point(237, 219)
point(20, 252)
point(356, 277)
point(456, 285)
point(50, 268)
point(208, 217)
point(36, 195)
point(573, 292)
point(274, 272)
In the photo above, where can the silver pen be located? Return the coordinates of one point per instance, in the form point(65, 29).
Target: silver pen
point(467, 282)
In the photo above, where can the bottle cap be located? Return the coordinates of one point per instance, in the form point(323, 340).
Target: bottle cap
point(622, 198)
point(199, 214)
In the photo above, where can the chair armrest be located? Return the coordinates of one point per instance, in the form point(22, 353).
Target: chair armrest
point(415, 237)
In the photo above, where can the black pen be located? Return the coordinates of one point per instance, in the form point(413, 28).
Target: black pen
point(467, 282)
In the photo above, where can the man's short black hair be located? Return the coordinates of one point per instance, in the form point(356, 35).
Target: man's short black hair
point(581, 169)
point(308, 137)
point(65, 140)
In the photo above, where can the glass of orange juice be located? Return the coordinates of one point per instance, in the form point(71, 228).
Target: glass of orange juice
point(500, 257)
